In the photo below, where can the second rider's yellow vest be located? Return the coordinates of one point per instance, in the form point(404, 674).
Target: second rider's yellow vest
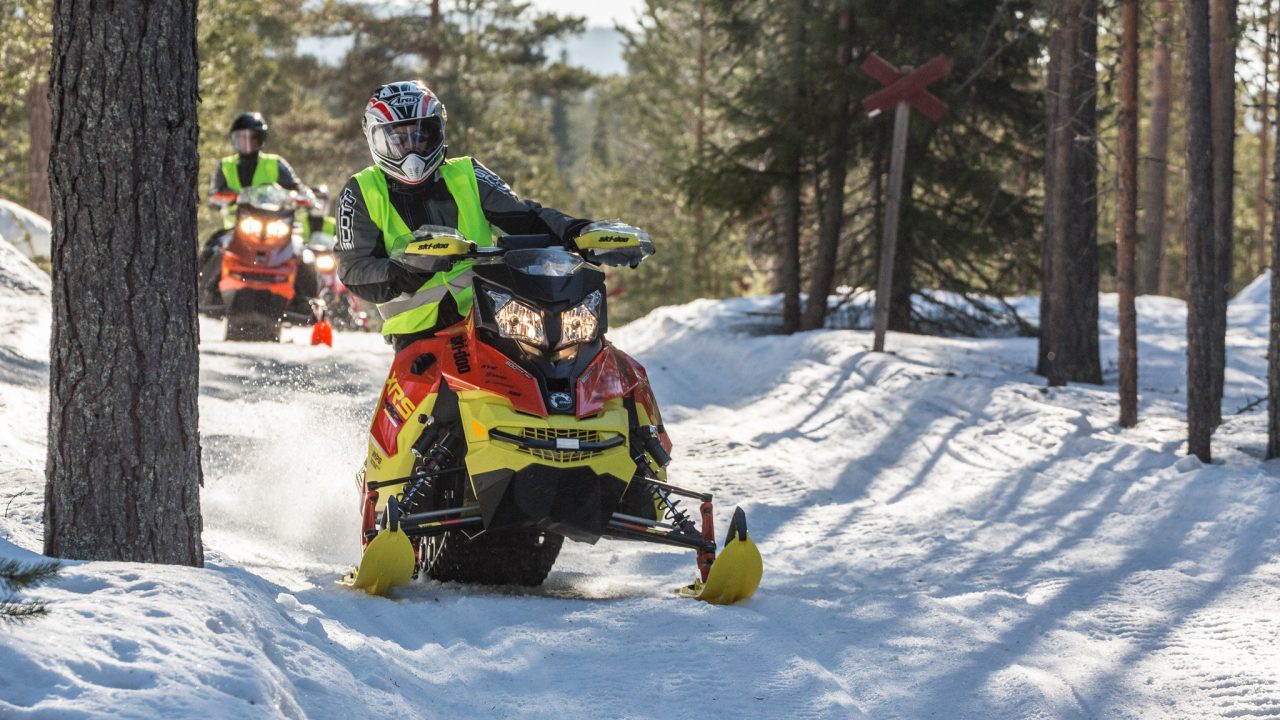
point(410, 314)
point(267, 171)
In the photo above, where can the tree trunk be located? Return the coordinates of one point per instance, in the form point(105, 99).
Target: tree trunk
point(432, 52)
point(1264, 138)
point(38, 125)
point(1222, 99)
point(1127, 218)
point(1069, 300)
point(791, 209)
point(1273, 350)
point(701, 270)
point(822, 276)
point(123, 472)
point(1155, 166)
point(1202, 275)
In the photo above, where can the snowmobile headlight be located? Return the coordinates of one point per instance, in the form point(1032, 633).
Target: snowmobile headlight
point(251, 226)
point(325, 263)
point(521, 322)
point(578, 324)
point(277, 229)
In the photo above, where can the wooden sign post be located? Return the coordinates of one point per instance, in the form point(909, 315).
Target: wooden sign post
point(902, 91)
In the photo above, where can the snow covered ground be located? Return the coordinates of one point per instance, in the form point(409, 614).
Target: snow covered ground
point(943, 537)
point(27, 231)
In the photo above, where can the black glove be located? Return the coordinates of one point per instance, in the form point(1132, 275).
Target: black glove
point(403, 279)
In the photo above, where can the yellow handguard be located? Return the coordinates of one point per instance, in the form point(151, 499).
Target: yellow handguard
point(609, 235)
point(440, 247)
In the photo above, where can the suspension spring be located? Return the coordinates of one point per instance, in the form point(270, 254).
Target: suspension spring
point(672, 511)
point(435, 457)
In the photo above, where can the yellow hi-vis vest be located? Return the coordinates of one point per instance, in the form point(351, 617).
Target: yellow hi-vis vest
point(419, 311)
point(267, 171)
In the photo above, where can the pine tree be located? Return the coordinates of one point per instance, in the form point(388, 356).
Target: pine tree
point(16, 577)
point(123, 471)
point(1127, 218)
point(1202, 284)
point(1069, 299)
point(1155, 164)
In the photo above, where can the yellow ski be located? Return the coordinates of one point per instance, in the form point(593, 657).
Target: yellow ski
point(736, 572)
point(388, 559)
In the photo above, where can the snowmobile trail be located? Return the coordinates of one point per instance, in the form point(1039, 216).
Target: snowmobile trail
point(942, 536)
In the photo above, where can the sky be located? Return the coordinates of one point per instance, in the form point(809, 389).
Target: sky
point(599, 13)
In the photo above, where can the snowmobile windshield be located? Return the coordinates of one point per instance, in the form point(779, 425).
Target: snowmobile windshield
point(544, 262)
point(268, 198)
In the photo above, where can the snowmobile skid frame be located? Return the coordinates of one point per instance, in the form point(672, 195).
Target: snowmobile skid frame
point(681, 532)
point(676, 530)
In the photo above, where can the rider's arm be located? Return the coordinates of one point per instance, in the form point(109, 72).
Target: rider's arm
point(217, 184)
point(521, 217)
point(362, 257)
point(287, 178)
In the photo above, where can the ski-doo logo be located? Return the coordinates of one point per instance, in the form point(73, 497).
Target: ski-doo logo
point(616, 239)
point(461, 356)
point(397, 404)
point(519, 369)
point(561, 400)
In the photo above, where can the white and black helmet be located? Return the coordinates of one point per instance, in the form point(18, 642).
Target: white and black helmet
point(404, 126)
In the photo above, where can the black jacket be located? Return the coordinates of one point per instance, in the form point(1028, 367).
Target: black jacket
point(361, 250)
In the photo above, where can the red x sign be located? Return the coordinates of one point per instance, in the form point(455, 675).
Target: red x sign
point(906, 87)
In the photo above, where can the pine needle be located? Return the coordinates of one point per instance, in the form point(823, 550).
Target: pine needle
point(17, 575)
point(16, 611)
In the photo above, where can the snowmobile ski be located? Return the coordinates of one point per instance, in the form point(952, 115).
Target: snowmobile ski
point(388, 559)
point(735, 574)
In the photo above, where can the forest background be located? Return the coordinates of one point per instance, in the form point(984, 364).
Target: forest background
point(736, 137)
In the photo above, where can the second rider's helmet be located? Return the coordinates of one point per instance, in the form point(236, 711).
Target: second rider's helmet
point(248, 133)
point(404, 126)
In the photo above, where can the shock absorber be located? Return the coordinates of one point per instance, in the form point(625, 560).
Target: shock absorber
point(434, 456)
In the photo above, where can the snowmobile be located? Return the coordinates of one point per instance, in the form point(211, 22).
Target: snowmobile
point(522, 425)
point(340, 307)
point(264, 276)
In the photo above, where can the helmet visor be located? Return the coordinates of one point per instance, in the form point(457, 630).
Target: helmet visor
point(246, 141)
point(397, 140)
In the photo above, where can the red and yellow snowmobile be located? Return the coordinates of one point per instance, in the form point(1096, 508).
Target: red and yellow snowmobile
point(499, 437)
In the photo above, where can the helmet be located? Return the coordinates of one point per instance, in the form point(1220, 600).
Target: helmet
point(404, 126)
point(248, 133)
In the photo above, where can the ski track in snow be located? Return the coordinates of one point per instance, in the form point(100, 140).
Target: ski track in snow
point(943, 537)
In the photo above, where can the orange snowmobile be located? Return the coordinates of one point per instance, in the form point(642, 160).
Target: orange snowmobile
point(499, 437)
point(262, 281)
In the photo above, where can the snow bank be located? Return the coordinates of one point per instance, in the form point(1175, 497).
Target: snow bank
point(28, 231)
point(1257, 292)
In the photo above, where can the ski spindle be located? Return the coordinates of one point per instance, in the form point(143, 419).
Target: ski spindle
point(708, 554)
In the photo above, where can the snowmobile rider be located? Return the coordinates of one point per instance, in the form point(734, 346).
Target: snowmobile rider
point(250, 166)
point(411, 184)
